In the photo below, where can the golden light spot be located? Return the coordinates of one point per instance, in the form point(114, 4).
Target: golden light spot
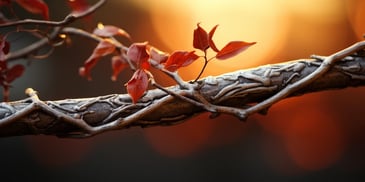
point(62, 36)
point(100, 25)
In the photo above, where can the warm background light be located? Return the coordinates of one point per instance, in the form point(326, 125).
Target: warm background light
point(319, 134)
point(260, 21)
point(284, 30)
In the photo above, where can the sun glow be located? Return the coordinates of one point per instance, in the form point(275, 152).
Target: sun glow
point(284, 29)
point(252, 21)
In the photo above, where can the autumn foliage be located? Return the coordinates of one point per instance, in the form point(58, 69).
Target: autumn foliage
point(7, 74)
point(140, 57)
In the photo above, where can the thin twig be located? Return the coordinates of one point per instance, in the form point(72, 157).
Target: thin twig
point(26, 51)
point(321, 70)
point(67, 20)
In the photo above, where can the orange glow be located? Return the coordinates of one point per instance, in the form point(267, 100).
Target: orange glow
point(252, 21)
point(180, 140)
point(311, 137)
point(320, 11)
point(314, 141)
point(289, 29)
point(56, 152)
point(356, 14)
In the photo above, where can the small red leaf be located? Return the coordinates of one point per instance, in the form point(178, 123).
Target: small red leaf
point(35, 6)
point(179, 59)
point(200, 39)
point(78, 6)
point(4, 2)
point(104, 48)
point(233, 48)
point(3, 66)
point(210, 40)
point(4, 48)
point(137, 53)
point(158, 56)
point(109, 31)
point(9, 75)
point(85, 71)
point(14, 72)
point(137, 85)
point(190, 57)
point(118, 64)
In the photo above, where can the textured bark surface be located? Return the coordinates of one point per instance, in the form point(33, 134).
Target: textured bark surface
point(239, 89)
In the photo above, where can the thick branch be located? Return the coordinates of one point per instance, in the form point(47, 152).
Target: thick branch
point(240, 89)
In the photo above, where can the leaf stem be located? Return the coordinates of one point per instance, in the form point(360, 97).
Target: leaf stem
point(205, 65)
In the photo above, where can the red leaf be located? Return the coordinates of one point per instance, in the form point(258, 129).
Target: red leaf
point(35, 6)
point(14, 72)
point(78, 6)
point(200, 39)
point(118, 64)
point(210, 39)
point(158, 56)
point(137, 53)
point(233, 48)
point(4, 2)
point(137, 85)
point(3, 66)
point(4, 48)
point(179, 59)
point(104, 48)
point(109, 31)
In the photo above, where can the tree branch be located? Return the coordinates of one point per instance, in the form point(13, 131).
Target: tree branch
point(67, 20)
point(240, 93)
point(58, 27)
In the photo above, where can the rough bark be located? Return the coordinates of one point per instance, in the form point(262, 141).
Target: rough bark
point(240, 89)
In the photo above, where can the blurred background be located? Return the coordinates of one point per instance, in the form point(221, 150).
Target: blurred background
point(314, 137)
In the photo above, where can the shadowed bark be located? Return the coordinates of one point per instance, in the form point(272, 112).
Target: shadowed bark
point(239, 89)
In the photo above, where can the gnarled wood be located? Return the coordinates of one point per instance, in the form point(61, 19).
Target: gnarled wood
point(239, 89)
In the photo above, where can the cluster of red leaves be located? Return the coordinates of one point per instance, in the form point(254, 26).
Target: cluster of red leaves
point(7, 75)
point(139, 55)
point(136, 55)
point(106, 47)
point(204, 40)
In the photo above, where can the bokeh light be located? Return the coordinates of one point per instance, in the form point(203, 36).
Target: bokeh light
point(299, 136)
point(181, 140)
point(311, 137)
point(260, 21)
point(58, 153)
point(356, 14)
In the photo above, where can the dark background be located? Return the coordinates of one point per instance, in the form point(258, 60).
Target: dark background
point(315, 137)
